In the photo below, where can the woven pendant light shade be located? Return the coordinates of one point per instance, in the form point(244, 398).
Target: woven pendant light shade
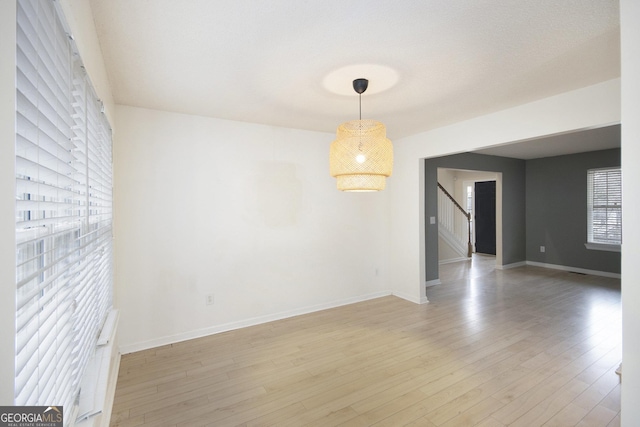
point(361, 157)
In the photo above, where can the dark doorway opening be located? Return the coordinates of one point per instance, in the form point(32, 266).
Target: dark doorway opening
point(485, 217)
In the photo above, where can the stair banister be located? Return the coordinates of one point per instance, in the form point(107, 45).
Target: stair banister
point(465, 213)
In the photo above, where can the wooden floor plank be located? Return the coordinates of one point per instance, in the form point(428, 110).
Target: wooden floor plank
point(520, 347)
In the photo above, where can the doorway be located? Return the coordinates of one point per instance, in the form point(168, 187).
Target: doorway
point(474, 167)
point(485, 217)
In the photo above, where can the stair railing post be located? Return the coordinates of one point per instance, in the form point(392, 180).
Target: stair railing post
point(470, 246)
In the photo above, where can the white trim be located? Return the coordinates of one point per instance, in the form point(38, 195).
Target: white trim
point(433, 282)
point(575, 270)
point(107, 333)
point(99, 382)
point(450, 239)
point(199, 333)
point(607, 183)
point(103, 418)
point(410, 298)
point(452, 260)
point(111, 391)
point(510, 266)
point(603, 247)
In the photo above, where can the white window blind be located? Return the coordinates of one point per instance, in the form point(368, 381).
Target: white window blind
point(63, 212)
point(604, 206)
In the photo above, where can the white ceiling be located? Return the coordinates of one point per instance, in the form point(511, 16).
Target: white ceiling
point(269, 61)
point(557, 145)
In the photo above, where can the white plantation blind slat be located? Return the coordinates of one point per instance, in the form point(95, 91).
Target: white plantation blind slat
point(49, 151)
point(604, 206)
point(63, 211)
point(36, 133)
point(52, 271)
point(28, 186)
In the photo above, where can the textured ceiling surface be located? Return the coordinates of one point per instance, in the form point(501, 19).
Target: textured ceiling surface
point(266, 61)
point(557, 145)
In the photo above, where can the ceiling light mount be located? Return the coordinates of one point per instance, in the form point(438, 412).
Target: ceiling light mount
point(339, 81)
point(360, 85)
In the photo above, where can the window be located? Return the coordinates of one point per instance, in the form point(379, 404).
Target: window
point(604, 209)
point(63, 212)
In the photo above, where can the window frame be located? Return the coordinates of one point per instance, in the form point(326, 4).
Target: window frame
point(607, 205)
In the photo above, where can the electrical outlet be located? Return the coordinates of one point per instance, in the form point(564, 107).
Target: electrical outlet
point(542, 248)
point(209, 299)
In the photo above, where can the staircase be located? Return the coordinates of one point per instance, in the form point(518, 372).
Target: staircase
point(454, 223)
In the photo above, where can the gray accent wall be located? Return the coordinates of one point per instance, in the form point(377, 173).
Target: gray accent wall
point(544, 203)
point(556, 209)
point(513, 204)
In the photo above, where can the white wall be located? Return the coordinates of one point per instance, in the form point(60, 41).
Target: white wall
point(246, 212)
point(593, 106)
point(447, 178)
point(630, 35)
point(446, 252)
point(7, 194)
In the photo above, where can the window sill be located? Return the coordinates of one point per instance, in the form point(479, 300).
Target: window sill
point(603, 247)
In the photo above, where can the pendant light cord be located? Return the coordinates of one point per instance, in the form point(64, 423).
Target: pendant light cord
point(360, 123)
point(360, 85)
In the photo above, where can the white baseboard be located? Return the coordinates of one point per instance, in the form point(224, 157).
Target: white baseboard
point(513, 265)
point(559, 267)
point(171, 339)
point(199, 333)
point(433, 282)
point(411, 298)
point(452, 260)
point(575, 269)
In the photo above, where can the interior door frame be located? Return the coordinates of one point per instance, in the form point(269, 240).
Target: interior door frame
point(465, 184)
point(498, 179)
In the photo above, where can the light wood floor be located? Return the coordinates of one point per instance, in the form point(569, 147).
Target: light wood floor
point(521, 347)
